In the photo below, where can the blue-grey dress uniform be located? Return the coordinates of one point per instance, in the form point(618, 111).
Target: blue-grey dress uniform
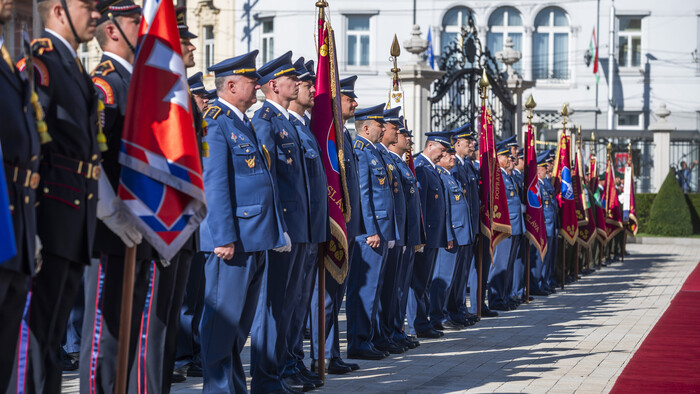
point(518, 286)
point(20, 142)
point(243, 210)
point(551, 219)
point(283, 277)
point(450, 262)
point(537, 285)
point(377, 211)
point(434, 209)
point(388, 301)
point(66, 214)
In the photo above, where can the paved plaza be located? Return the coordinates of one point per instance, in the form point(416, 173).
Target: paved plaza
point(578, 340)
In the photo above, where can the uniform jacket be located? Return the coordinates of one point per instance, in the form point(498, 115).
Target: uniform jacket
point(432, 201)
point(318, 188)
point(514, 204)
point(288, 166)
point(376, 197)
point(241, 197)
point(458, 223)
point(460, 173)
point(112, 82)
point(353, 185)
point(20, 148)
point(549, 206)
point(473, 193)
point(415, 230)
point(68, 200)
point(398, 193)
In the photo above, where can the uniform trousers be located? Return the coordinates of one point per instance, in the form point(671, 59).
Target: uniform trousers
point(457, 299)
point(418, 305)
point(444, 278)
point(230, 301)
point(188, 337)
point(474, 275)
point(550, 259)
point(388, 298)
point(14, 287)
point(518, 286)
point(501, 273)
point(404, 275)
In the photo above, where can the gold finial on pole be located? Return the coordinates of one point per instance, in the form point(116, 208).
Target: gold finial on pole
point(321, 4)
point(609, 148)
point(530, 104)
point(395, 52)
point(578, 137)
point(483, 85)
point(629, 153)
point(564, 113)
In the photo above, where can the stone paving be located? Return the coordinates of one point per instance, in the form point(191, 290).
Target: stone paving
point(578, 340)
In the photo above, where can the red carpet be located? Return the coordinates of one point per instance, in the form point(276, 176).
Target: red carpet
point(669, 359)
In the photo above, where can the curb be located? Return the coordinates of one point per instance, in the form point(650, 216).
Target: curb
point(664, 241)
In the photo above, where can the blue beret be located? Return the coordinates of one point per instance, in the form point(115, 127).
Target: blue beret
point(464, 132)
point(239, 65)
point(196, 84)
point(442, 137)
point(392, 116)
point(371, 113)
point(276, 68)
point(347, 86)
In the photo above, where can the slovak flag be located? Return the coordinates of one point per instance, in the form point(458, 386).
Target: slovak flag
point(161, 181)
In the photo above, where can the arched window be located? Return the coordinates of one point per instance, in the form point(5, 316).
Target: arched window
point(503, 23)
point(551, 44)
point(452, 24)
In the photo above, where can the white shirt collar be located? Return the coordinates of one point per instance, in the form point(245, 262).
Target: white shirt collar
point(121, 61)
point(370, 142)
point(280, 108)
point(461, 161)
point(515, 169)
point(64, 41)
point(308, 114)
point(299, 117)
point(233, 108)
point(429, 161)
point(396, 154)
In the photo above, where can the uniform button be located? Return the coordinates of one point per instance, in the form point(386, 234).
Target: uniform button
point(76, 202)
point(245, 213)
point(26, 199)
point(396, 190)
point(94, 157)
point(34, 157)
point(12, 207)
point(90, 196)
point(436, 196)
point(284, 210)
point(46, 190)
point(396, 183)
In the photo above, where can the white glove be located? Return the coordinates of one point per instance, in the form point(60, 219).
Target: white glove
point(38, 260)
point(121, 226)
point(391, 244)
point(287, 246)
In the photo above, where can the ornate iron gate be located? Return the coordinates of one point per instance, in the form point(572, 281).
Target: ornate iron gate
point(455, 99)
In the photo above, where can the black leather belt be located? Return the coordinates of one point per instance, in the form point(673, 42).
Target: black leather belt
point(22, 176)
point(88, 170)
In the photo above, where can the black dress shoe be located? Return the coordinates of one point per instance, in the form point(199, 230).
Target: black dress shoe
point(488, 313)
point(332, 367)
point(352, 366)
point(497, 307)
point(539, 292)
point(194, 371)
point(366, 355)
point(391, 347)
point(448, 325)
point(413, 339)
point(311, 377)
point(297, 383)
point(177, 378)
point(429, 333)
point(409, 343)
point(67, 362)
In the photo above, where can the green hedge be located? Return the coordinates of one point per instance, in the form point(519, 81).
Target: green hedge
point(643, 205)
point(670, 213)
point(693, 201)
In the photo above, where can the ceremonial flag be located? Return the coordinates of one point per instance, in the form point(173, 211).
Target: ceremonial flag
point(581, 197)
point(594, 50)
point(586, 231)
point(629, 213)
point(495, 220)
point(8, 247)
point(563, 177)
point(535, 229)
point(598, 207)
point(613, 217)
point(161, 180)
point(429, 51)
point(326, 124)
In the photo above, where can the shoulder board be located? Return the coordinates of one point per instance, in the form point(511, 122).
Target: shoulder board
point(103, 68)
point(106, 89)
point(41, 45)
point(359, 145)
point(266, 114)
point(40, 70)
point(213, 112)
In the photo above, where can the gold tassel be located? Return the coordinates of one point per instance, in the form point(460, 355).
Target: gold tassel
point(41, 128)
point(101, 138)
point(205, 146)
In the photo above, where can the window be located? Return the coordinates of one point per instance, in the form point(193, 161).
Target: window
point(84, 56)
point(551, 45)
point(629, 42)
point(628, 120)
point(358, 41)
point(208, 46)
point(505, 22)
point(452, 24)
point(268, 40)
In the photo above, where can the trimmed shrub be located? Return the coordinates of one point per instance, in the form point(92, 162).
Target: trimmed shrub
point(643, 203)
point(693, 201)
point(670, 214)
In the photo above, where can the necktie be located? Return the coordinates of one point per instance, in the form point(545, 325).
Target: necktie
point(79, 63)
point(7, 57)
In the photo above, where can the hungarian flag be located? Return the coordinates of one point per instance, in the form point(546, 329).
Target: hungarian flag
point(613, 215)
point(593, 47)
point(629, 211)
point(535, 229)
point(8, 247)
point(326, 124)
point(564, 178)
point(495, 220)
point(161, 180)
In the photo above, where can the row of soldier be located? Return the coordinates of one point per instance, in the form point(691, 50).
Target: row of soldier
point(412, 238)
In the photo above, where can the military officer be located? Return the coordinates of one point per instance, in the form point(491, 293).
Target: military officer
point(300, 109)
point(450, 260)
point(69, 169)
point(382, 336)
point(538, 270)
point(550, 276)
point(336, 291)
point(243, 222)
point(19, 142)
point(434, 210)
point(283, 277)
point(378, 235)
point(501, 273)
point(518, 287)
point(414, 235)
point(199, 93)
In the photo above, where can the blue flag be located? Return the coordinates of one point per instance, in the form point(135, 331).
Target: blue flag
point(8, 248)
point(431, 58)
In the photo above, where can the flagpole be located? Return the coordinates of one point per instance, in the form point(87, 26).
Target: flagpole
point(125, 320)
point(564, 113)
point(529, 104)
point(483, 85)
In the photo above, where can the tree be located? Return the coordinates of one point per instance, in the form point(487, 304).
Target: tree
point(669, 212)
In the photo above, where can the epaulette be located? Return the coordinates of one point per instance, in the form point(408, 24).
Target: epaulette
point(359, 145)
point(106, 89)
point(103, 69)
point(212, 112)
point(41, 45)
point(266, 114)
point(40, 70)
